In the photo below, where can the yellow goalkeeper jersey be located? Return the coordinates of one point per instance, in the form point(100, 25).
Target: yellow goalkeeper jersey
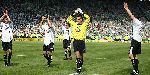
point(79, 31)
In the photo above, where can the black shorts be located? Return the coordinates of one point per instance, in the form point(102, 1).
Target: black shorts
point(7, 45)
point(126, 40)
point(117, 39)
point(49, 47)
point(79, 45)
point(135, 47)
point(66, 43)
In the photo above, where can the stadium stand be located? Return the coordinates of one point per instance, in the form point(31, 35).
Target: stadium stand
point(109, 20)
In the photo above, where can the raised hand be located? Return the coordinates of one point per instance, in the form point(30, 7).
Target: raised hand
point(79, 9)
point(125, 5)
point(128, 11)
point(75, 12)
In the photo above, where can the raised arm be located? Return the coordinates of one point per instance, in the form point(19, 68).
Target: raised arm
point(49, 22)
point(87, 18)
point(128, 11)
point(70, 20)
point(2, 17)
point(41, 21)
point(8, 17)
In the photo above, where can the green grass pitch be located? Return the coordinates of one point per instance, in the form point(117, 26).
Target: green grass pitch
point(100, 59)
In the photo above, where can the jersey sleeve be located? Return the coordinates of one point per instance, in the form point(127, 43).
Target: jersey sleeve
point(137, 22)
point(42, 29)
point(1, 24)
point(53, 30)
point(63, 29)
point(70, 31)
point(87, 20)
point(70, 20)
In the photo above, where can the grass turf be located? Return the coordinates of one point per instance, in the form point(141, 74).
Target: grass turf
point(100, 59)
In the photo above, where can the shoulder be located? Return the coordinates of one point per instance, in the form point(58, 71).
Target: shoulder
point(136, 21)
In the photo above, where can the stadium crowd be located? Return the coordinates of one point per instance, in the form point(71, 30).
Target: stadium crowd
point(108, 17)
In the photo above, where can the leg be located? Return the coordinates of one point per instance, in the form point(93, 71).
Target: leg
point(5, 58)
point(65, 54)
point(78, 61)
point(9, 53)
point(82, 59)
point(65, 49)
point(45, 55)
point(79, 46)
point(5, 46)
point(49, 53)
point(69, 51)
point(135, 62)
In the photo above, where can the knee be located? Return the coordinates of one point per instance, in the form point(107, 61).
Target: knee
point(77, 53)
point(44, 53)
point(9, 51)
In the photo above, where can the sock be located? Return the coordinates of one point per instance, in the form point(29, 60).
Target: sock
point(81, 62)
point(65, 54)
point(135, 63)
point(5, 59)
point(46, 56)
point(9, 57)
point(50, 58)
point(78, 62)
point(69, 53)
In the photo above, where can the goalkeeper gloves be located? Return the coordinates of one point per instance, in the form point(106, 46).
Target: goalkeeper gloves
point(79, 10)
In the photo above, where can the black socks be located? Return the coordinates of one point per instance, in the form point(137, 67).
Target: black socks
point(69, 51)
point(135, 63)
point(9, 58)
point(48, 57)
point(79, 64)
point(65, 54)
point(5, 60)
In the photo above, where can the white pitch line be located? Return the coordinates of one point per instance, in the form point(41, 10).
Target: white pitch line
point(100, 58)
point(95, 74)
point(21, 55)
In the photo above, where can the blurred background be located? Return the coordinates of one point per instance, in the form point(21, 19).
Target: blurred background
point(109, 21)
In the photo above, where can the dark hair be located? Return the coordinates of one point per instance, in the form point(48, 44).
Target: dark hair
point(79, 15)
point(68, 23)
point(4, 18)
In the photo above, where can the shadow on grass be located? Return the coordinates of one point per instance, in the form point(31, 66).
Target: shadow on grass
point(82, 70)
point(54, 65)
point(1, 59)
point(14, 64)
point(125, 71)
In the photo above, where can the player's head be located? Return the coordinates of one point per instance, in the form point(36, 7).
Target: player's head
point(79, 19)
point(5, 20)
point(67, 25)
point(143, 19)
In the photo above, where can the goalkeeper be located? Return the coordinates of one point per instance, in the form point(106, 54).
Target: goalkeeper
point(79, 23)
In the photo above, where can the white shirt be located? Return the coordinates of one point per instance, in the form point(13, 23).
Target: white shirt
point(49, 34)
point(137, 25)
point(7, 34)
point(66, 33)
